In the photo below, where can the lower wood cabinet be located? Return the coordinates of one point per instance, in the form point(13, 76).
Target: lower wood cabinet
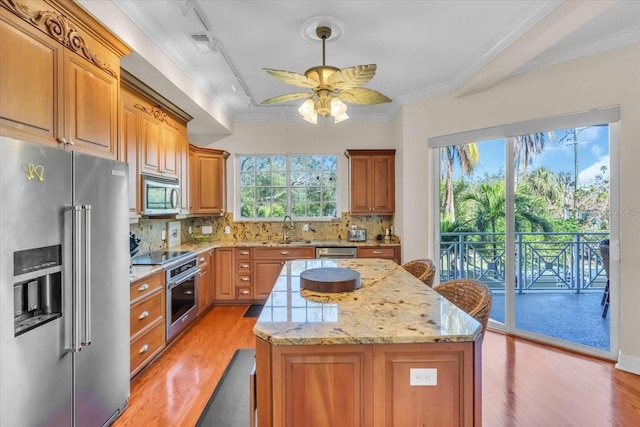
point(224, 274)
point(268, 263)
point(366, 385)
point(384, 252)
point(147, 320)
point(206, 281)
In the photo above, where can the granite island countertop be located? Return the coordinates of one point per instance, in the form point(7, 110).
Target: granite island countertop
point(391, 307)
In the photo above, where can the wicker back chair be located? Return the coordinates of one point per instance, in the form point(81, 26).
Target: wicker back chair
point(423, 269)
point(470, 295)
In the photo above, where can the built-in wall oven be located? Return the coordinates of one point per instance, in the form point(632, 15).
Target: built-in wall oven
point(182, 294)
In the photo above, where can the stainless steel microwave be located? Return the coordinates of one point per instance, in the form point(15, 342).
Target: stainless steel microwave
point(160, 196)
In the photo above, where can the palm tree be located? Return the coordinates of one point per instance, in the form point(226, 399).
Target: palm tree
point(467, 155)
point(544, 183)
point(489, 201)
point(527, 147)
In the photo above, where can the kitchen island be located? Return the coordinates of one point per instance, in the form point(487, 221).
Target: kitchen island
point(393, 352)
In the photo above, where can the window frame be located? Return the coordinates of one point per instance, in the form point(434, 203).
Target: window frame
point(288, 171)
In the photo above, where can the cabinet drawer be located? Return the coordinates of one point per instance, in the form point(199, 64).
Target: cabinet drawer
point(146, 346)
point(377, 252)
point(144, 312)
point(243, 280)
point(284, 253)
point(243, 267)
point(244, 292)
point(146, 286)
point(243, 254)
point(203, 259)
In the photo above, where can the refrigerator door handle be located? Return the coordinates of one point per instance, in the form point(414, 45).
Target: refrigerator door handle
point(77, 283)
point(87, 276)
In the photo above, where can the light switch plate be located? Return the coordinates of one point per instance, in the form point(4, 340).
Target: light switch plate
point(173, 230)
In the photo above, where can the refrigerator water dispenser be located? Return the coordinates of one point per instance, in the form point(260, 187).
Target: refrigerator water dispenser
point(37, 300)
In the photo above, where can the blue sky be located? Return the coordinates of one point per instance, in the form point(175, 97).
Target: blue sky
point(558, 155)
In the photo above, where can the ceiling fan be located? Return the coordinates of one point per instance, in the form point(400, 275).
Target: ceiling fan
point(330, 87)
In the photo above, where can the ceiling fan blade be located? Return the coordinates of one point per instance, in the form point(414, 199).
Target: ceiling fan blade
point(352, 77)
point(360, 95)
point(287, 97)
point(292, 78)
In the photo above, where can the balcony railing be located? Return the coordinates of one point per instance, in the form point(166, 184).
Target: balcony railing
point(543, 261)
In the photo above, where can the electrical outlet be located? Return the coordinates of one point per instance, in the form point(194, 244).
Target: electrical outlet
point(423, 377)
point(163, 235)
point(305, 227)
point(227, 229)
point(207, 229)
point(190, 230)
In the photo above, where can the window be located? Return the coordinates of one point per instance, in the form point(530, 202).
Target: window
point(296, 185)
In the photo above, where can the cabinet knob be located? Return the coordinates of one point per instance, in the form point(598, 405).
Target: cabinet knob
point(284, 252)
point(244, 265)
point(144, 349)
point(143, 288)
point(244, 292)
point(143, 315)
point(71, 142)
point(377, 252)
point(201, 259)
point(244, 252)
point(244, 279)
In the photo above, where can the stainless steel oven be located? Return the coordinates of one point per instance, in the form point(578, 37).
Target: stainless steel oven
point(182, 294)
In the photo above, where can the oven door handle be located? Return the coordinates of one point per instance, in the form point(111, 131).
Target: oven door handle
point(172, 285)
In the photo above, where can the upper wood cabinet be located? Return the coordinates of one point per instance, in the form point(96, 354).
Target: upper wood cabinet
point(153, 139)
point(372, 181)
point(207, 180)
point(59, 77)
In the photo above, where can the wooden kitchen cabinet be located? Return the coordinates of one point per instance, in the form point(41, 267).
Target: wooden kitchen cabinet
point(207, 180)
point(371, 382)
point(61, 88)
point(147, 320)
point(371, 181)
point(268, 263)
point(385, 252)
point(153, 139)
point(244, 274)
point(160, 151)
point(206, 281)
point(224, 274)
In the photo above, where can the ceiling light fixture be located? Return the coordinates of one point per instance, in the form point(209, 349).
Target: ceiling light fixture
point(331, 87)
point(214, 45)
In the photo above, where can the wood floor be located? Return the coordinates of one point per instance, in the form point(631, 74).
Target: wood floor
point(524, 384)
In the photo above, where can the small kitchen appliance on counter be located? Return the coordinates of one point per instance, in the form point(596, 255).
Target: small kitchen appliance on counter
point(357, 234)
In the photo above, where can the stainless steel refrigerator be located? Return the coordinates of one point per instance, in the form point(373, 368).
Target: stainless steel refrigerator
point(64, 287)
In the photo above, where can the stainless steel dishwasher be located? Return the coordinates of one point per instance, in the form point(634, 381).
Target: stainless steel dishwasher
point(337, 252)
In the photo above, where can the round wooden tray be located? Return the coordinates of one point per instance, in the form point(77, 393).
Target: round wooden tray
point(330, 279)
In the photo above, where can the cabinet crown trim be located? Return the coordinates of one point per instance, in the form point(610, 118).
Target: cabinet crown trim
point(58, 27)
point(376, 152)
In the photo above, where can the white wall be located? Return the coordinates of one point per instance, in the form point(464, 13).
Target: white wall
point(300, 138)
point(602, 80)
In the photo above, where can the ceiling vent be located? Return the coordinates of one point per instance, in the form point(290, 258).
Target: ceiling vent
point(204, 42)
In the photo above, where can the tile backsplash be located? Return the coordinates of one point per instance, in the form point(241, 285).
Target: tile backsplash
point(150, 230)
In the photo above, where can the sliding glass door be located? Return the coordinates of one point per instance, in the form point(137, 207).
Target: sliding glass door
point(529, 216)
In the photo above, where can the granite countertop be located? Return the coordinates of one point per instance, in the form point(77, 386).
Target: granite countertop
point(391, 307)
point(140, 271)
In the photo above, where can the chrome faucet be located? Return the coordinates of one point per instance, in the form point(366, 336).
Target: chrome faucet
point(285, 236)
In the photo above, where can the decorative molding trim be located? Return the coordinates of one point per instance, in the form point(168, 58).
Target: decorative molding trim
point(628, 363)
point(156, 113)
point(58, 27)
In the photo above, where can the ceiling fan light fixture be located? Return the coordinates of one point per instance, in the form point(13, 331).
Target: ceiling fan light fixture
point(331, 87)
point(308, 111)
